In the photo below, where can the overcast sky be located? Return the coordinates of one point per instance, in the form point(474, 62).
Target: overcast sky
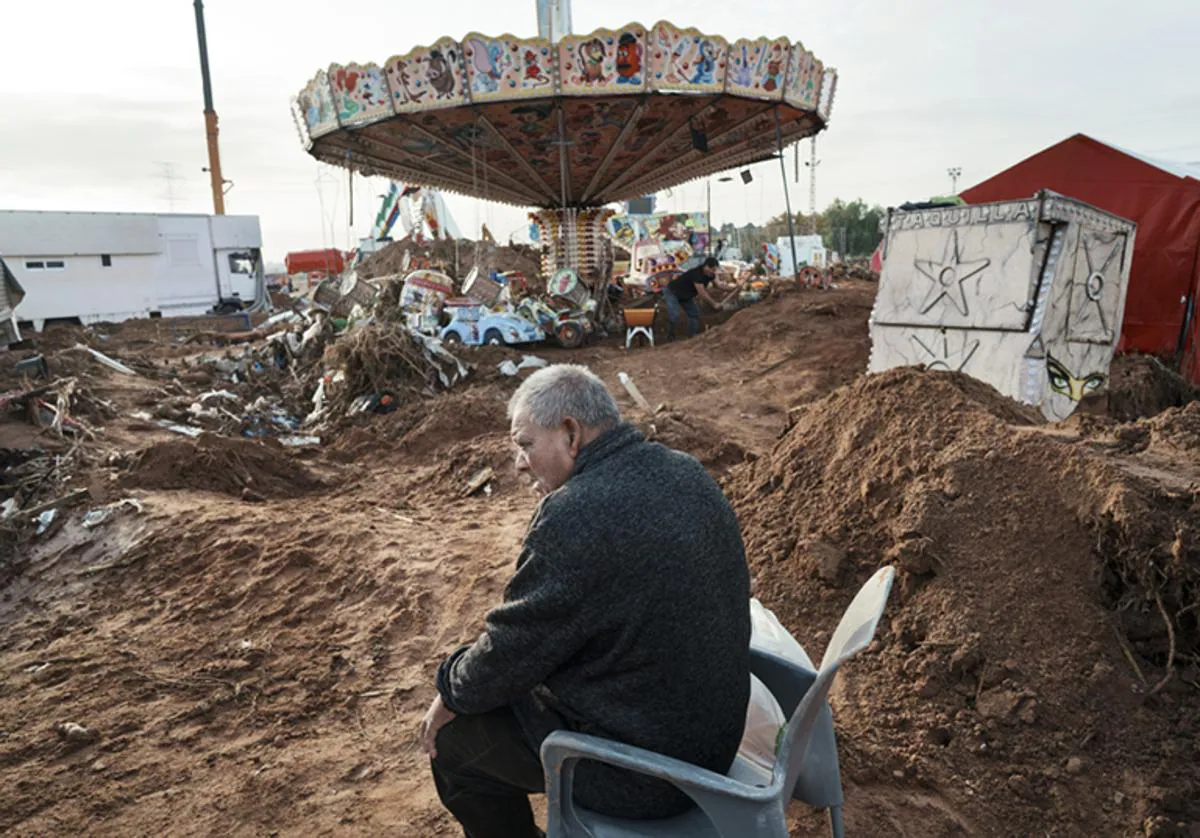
point(102, 104)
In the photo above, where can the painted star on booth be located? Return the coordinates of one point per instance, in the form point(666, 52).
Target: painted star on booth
point(1090, 309)
point(941, 356)
point(948, 276)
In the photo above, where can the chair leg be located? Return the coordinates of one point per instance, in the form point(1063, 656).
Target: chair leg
point(837, 827)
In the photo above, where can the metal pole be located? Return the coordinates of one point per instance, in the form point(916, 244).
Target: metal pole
point(786, 196)
point(210, 117)
point(708, 217)
point(812, 186)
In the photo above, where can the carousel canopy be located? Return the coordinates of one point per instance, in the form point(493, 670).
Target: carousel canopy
point(588, 120)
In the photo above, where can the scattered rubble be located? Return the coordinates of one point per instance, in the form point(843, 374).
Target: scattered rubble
point(264, 540)
point(459, 258)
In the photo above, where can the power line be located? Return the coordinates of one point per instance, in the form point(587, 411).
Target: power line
point(169, 178)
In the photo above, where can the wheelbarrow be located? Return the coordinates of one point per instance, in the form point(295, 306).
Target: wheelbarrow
point(639, 321)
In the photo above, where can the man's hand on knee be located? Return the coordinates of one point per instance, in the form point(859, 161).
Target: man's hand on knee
point(436, 717)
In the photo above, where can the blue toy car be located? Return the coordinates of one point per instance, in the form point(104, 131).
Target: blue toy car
point(474, 326)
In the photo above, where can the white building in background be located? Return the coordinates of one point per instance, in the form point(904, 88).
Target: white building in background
point(107, 267)
point(810, 250)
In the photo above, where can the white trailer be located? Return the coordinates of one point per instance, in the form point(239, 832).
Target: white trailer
point(96, 267)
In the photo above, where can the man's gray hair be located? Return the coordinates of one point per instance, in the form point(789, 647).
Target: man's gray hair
point(559, 391)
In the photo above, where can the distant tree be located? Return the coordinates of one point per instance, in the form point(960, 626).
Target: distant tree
point(852, 228)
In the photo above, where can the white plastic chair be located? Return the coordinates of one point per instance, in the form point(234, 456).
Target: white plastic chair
point(806, 765)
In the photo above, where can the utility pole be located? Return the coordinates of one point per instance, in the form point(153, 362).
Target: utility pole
point(210, 117)
point(955, 173)
point(812, 164)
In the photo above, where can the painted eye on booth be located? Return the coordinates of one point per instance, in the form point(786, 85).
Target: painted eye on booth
point(1059, 376)
point(1093, 383)
point(1060, 379)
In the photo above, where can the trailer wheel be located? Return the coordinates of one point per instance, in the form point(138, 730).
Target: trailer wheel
point(492, 337)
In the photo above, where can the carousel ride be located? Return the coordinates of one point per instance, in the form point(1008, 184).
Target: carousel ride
point(567, 123)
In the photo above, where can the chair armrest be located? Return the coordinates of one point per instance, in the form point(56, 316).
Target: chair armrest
point(563, 746)
point(726, 802)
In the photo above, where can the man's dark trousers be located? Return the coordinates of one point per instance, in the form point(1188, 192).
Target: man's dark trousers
point(676, 307)
point(485, 770)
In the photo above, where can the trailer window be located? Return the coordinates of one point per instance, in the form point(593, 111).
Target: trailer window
point(241, 263)
point(56, 265)
point(105, 260)
point(35, 266)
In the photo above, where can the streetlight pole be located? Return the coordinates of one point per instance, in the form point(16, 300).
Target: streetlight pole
point(955, 173)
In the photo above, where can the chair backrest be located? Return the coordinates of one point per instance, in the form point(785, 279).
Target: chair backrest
point(854, 633)
point(857, 627)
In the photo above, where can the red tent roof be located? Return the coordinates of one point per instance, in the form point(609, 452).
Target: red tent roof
point(1163, 198)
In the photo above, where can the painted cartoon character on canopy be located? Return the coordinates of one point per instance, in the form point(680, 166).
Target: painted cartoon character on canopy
point(629, 60)
point(533, 70)
point(741, 71)
point(774, 75)
point(488, 61)
point(440, 74)
point(706, 64)
point(591, 60)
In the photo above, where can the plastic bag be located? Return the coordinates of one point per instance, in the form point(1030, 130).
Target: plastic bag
point(767, 634)
point(764, 716)
point(756, 753)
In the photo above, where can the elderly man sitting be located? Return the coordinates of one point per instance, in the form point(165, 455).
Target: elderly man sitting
point(626, 618)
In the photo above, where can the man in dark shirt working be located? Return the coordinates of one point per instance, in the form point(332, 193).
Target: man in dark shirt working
point(681, 292)
point(627, 618)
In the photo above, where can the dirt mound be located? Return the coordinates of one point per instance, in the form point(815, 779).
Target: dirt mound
point(1142, 385)
point(214, 463)
point(1042, 594)
point(790, 315)
point(1178, 427)
point(492, 257)
point(697, 437)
